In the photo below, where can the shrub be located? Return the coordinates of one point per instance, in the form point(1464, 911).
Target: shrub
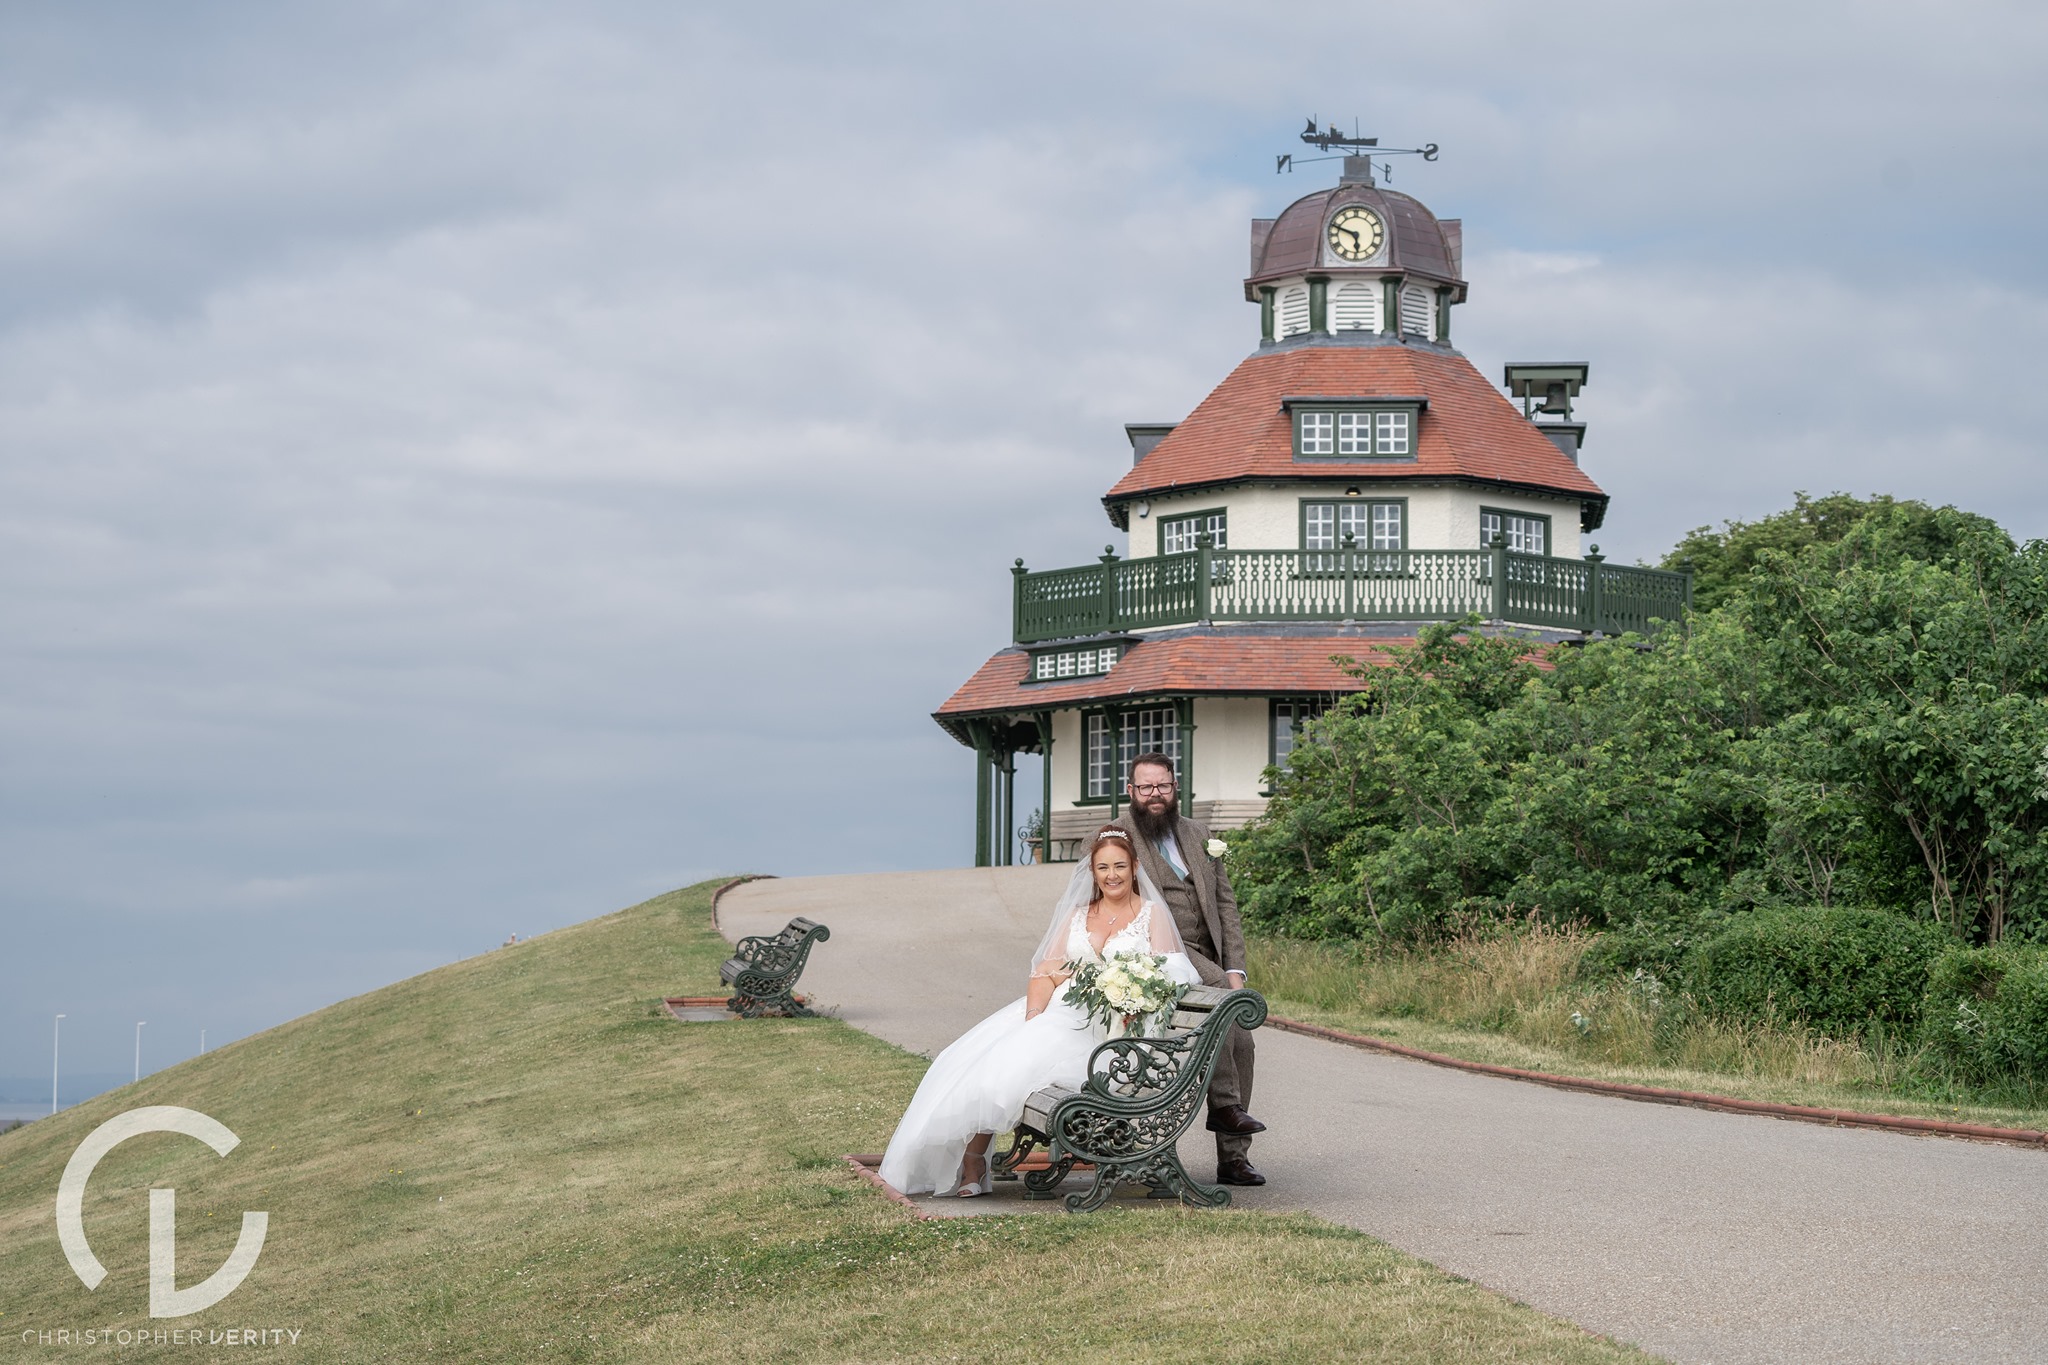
point(1837, 970)
point(1987, 1013)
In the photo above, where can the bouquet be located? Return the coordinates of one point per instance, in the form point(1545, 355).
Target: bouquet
point(1130, 993)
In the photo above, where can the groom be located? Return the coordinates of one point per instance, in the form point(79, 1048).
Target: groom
point(1174, 853)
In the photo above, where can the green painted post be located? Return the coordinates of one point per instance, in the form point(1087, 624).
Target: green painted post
point(1500, 575)
point(1594, 609)
point(1443, 314)
point(1017, 601)
point(1186, 707)
point(1006, 848)
point(1390, 305)
point(1685, 567)
point(1114, 719)
point(1204, 548)
point(1108, 611)
point(1266, 292)
point(1044, 721)
point(978, 730)
point(1318, 305)
point(1350, 583)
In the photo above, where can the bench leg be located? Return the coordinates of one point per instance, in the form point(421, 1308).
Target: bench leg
point(1170, 1180)
point(1022, 1141)
point(1044, 1184)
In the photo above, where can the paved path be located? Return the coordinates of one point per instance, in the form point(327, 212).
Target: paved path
point(1703, 1237)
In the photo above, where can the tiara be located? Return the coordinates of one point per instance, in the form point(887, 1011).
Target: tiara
point(1112, 832)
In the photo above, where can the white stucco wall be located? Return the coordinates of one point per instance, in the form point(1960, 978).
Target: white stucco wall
point(1440, 516)
point(1230, 747)
point(1066, 759)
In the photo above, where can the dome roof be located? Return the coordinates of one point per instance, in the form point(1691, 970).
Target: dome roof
point(1417, 242)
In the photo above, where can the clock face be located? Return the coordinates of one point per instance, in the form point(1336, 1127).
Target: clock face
point(1356, 233)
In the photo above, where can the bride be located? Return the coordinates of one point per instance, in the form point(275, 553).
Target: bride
point(977, 1087)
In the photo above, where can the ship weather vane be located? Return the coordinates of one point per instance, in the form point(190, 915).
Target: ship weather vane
point(1368, 147)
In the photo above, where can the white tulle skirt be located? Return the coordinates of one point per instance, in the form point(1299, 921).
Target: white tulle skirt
point(979, 1085)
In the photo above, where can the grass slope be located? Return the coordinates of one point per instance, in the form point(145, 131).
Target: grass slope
point(518, 1157)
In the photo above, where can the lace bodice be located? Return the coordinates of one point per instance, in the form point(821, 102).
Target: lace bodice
point(1135, 937)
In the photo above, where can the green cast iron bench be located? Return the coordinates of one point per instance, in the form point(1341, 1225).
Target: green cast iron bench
point(763, 970)
point(1140, 1096)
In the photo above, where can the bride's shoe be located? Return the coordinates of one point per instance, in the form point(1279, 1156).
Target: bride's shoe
point(981, 1184)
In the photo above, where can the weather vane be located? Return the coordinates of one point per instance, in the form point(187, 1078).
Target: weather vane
point(1368, 147)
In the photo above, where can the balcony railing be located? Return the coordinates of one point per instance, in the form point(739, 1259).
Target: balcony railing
point(1344, 585)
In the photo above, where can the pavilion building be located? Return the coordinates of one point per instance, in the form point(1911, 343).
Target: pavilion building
point(1354, 478)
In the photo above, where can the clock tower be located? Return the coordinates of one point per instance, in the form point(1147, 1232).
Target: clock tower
point(1353, 478)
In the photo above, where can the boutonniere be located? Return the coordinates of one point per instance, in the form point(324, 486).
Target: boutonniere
point(1217, 848)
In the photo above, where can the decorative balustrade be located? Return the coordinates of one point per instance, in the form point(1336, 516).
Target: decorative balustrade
point(1499, 584)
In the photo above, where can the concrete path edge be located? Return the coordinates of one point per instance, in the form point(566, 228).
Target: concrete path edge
point(1650, 1094)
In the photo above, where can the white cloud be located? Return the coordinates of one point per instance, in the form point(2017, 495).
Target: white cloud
point(464, 468)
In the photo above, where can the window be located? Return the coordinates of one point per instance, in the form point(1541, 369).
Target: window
point(1378, 525)
point(1074, 663)
point(1359, 430)
point(1288, 717)
point(1355, 307)
point(1390, 433)
point(1418, 310)
point(1293, 311)
point(1177, 534)
point(1528, 535)
point(1140, 731)
point(1316, 429)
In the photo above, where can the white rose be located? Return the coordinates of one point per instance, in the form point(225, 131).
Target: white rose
point(1217, 848)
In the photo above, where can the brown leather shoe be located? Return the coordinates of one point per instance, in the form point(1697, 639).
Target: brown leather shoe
point(1236, 1170)
point(1234, 1120)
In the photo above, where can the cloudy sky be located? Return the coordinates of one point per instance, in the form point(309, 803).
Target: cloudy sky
point(468, 467)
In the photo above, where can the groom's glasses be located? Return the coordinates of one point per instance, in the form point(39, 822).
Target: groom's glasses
point(1152, 789)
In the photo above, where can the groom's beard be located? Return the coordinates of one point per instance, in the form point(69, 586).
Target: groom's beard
point(1153, 827)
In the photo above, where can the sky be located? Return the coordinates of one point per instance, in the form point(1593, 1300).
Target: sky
point(467, 468)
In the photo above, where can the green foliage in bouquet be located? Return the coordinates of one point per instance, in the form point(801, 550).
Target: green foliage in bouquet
point(1130, 993)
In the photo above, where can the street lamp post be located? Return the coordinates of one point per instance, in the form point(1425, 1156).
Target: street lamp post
point(56, 1038)
point(138, 1047)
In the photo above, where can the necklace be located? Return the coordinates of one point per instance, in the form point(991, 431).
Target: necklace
point(1111, 929)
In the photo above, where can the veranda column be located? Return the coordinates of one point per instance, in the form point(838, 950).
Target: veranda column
point(1186, 709)
point(1007, 847)
point(978, 731)
point(1044, 722)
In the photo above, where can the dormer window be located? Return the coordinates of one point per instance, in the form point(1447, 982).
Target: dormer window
point(1092, 662)
point(1355, 428)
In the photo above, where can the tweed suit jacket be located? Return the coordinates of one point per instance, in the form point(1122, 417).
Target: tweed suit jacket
point(1211, 885)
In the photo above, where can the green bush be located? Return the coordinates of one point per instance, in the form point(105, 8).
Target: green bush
point(1836, 970)
point(1624, 952)
point(1987, 1012)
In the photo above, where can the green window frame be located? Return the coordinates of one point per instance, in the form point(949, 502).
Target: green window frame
point(1106, 759)
point(1357, 429)
point(1177, 532)
point(1060, 665)
point(1284, 718)
point(1379, 527)
point(1518, 527)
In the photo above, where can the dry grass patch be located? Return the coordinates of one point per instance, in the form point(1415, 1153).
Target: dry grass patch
point(519, 1157)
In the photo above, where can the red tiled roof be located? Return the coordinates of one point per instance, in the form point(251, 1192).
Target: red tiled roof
point(1182, 666)
point(1470, 429)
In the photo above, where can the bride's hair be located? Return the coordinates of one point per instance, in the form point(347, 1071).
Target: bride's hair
point(1110, 834)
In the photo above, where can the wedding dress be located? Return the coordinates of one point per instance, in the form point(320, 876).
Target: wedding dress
point(980, 1082)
